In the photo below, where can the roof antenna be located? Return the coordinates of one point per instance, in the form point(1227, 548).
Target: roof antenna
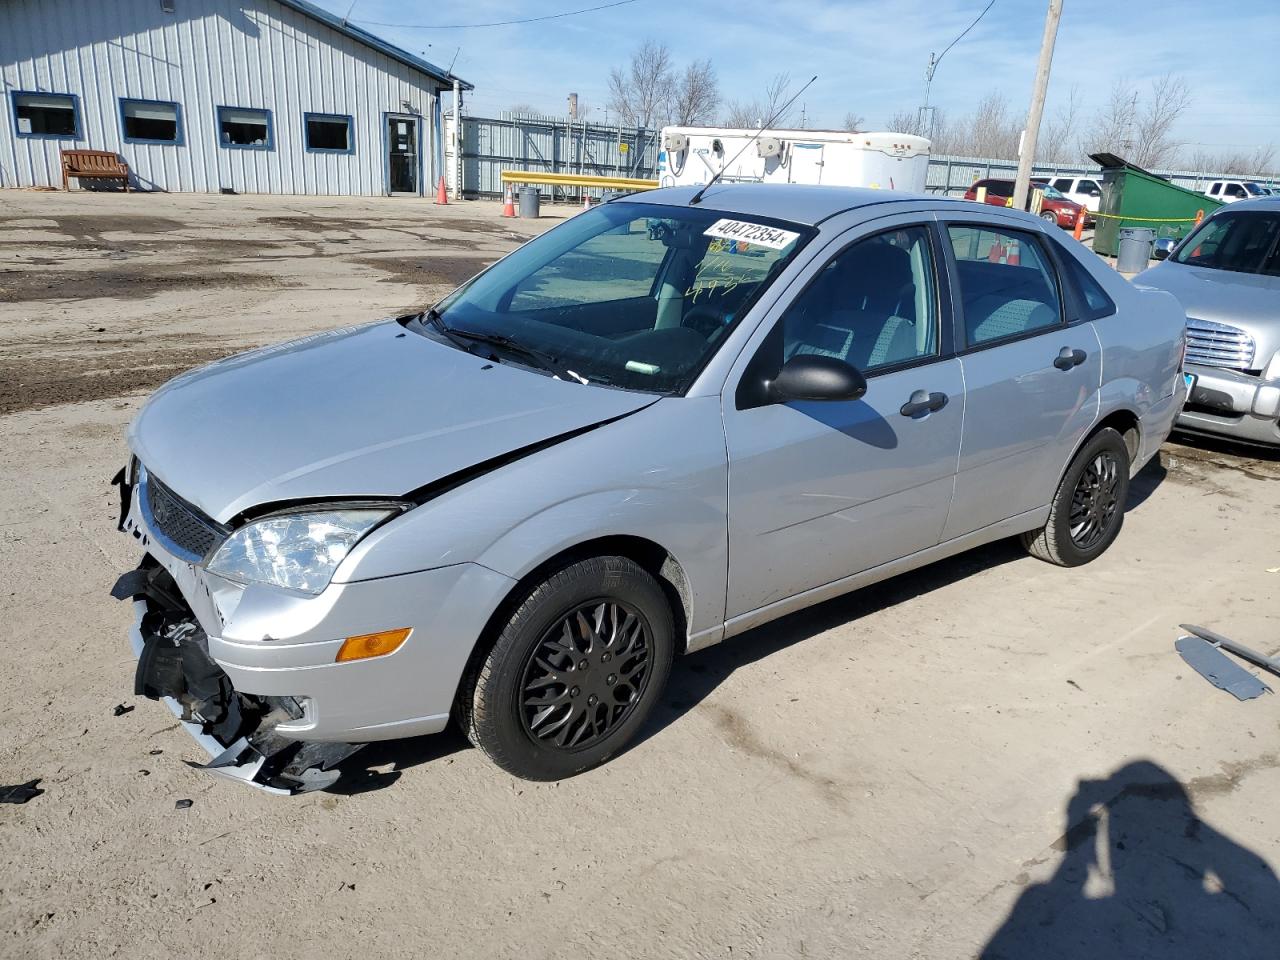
point(763, 127)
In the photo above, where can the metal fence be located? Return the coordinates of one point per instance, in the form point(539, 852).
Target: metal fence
point(954, 175)
point(556, 145)
point(551, 145)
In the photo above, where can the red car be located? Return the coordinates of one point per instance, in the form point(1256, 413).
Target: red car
point(1055, 208)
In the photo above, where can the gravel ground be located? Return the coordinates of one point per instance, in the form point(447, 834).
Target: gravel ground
point(989, 750)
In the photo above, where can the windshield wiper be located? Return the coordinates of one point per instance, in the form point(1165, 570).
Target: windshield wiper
point(530, 355)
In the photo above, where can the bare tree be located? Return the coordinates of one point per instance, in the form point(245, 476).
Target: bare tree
point(854, 122)
point(641, 93)
point(1138, 129)
point(523, 109)
point(1057, 136)
point(1240, 163)
point(1154, 145)
point(697, 94)
point(740, 113)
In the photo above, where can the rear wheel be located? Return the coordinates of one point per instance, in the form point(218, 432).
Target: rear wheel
point(1088, 510)
point(574, 672)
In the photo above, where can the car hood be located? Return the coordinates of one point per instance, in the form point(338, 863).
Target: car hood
point(1246, 300)
point(371, 411)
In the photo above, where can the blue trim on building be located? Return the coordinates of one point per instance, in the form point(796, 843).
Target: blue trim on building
point(75, 111)
point(377, 43)
point(226, 145)
point(351, 132)
point(179, 137)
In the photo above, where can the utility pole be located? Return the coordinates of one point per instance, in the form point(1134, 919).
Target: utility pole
point(1027, 155)
point(457, 139)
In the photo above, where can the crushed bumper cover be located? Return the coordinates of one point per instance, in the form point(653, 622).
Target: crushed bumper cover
point(237, 730)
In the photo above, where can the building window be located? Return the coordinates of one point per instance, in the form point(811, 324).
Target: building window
point(46, 115)
point(244, 128)
point(328, 132)
point(150, 121)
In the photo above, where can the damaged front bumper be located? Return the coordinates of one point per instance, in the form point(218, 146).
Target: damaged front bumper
point(237, 730)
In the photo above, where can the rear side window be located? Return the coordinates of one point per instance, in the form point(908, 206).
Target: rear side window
point(1215, 189)
point(874, 305)
point(1007, 287)
point(1063, 184)
point(1095, 300)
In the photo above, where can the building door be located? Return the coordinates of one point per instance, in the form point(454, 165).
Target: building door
point(403, 161)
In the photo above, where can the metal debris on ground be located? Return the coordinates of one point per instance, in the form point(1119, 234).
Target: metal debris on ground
point(20, 792)
point(1232, 646)
point(1219, 669)
point(182, 805)
point(121, 709)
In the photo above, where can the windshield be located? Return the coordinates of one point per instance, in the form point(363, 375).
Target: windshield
point(629, 294)
point(1240, 242)
point(1053, 193)
point(1255, 190)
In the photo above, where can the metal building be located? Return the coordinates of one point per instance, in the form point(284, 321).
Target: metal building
point(255, 96)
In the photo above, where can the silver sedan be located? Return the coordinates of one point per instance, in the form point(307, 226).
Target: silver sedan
point(666, 421)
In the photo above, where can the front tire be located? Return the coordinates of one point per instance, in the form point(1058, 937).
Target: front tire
point(574, 672)
point(1048, 216)
point(1088, 509)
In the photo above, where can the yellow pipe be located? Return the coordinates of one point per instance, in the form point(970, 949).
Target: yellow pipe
point(575, 180)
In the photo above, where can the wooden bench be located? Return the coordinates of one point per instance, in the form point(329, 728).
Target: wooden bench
point(99, 164)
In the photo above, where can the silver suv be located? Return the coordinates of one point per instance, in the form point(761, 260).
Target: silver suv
point(1227, 276)
point(665, 421)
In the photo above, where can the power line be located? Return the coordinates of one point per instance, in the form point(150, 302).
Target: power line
point(497, 23)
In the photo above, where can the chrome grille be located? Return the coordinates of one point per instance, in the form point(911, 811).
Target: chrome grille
point(1218, 345)
point(178, 523)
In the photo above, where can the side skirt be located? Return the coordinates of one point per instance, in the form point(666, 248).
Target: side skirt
point(1031, 520)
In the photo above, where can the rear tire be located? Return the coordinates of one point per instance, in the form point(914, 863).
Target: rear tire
point(574, 672)
point(1088, 509)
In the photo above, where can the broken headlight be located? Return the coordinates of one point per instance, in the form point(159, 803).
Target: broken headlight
point(300, 551)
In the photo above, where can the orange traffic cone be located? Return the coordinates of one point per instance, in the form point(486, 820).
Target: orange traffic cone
point(586, 202)
point(509, 207)
point(442, 195)
point(1078, 233)
point(1011, 255)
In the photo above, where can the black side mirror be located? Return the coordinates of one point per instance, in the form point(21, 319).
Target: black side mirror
point(813, 377)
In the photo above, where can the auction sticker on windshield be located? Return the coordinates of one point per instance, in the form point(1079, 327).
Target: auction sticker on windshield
point(755, 233)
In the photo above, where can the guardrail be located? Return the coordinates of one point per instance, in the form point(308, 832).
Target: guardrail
point(577, 180)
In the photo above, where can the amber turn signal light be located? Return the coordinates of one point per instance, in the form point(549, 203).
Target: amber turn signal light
point(372, 645)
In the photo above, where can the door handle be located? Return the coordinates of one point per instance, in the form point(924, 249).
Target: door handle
point(923, 402)
point(1068, 358)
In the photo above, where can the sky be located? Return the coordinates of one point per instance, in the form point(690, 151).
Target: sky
point(870, 57)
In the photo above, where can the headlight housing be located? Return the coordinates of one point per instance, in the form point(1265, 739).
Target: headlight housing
point(299, 550)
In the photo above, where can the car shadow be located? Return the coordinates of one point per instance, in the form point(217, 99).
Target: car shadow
point(696, 676)
point(1226, 446)
point(1142, 875)
point(1142, 486)
point(360, 773)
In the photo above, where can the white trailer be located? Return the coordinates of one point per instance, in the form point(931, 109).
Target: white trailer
point(690, 156)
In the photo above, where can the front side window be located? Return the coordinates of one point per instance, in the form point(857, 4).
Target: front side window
point(150, 121)
point(46, 115)
point(328, 133)
point(629, 294)
point(873, 306)
point(1007, 288)
point(1239, 242)
point(1090, 189)
point(1235, 190)
point(244, 127)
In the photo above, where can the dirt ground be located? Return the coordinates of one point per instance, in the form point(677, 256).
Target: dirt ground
point(990, 750)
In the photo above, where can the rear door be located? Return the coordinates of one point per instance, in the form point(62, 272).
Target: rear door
point(1031, 377)
point(819, 491)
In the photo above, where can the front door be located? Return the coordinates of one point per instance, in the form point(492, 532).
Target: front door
point(819, 491)
point(402, 155)
point(1031, 379)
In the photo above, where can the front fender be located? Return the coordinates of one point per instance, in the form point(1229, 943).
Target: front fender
point(660, 474)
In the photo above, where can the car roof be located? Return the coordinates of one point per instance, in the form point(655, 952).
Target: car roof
point(800, 203)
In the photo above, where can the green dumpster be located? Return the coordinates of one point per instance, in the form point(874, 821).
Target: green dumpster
point(1132, 197)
